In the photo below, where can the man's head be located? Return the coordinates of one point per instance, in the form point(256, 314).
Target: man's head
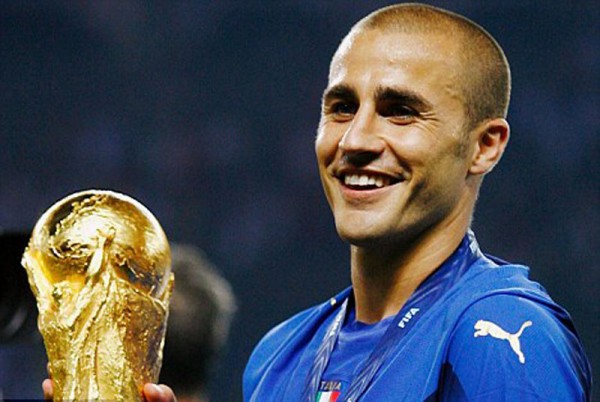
point(202, 307)
point(412, 118)
point(482, 68)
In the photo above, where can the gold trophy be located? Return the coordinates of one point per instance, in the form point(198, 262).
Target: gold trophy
point(99, 265)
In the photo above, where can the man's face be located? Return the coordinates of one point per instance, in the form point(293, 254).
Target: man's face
point(391, 146)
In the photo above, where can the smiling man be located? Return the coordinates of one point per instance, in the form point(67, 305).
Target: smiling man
point(412, 120)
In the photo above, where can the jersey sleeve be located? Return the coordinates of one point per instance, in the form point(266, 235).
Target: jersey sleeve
point(511, 348)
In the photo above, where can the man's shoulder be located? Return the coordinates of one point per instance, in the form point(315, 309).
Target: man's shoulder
point(505, 338)
point(491, 276)
point(302, 320)
point(513, 309)
point(511, 334)
point(291, 334)
point(281, 332)
point(504, 295)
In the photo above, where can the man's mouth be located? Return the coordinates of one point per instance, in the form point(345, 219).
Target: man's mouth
point(367, 181)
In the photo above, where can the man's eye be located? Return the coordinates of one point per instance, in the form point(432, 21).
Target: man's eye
point(343, 109)
point(399, 112)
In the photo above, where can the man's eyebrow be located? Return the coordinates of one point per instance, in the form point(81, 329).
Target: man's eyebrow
point(340, 91)
point(401, 95)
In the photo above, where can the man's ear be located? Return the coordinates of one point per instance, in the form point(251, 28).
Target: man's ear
point(491, 140)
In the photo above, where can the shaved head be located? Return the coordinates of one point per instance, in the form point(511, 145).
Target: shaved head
point(484, 73)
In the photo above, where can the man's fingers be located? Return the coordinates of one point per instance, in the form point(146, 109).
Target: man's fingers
point(48, 389)
point(158, 393)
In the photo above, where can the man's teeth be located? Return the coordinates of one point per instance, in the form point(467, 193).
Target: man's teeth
point(365, 180)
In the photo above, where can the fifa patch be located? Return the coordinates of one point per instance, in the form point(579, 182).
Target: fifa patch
point(329, 391)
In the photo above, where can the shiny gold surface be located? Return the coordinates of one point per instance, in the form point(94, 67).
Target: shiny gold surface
point(99, 265)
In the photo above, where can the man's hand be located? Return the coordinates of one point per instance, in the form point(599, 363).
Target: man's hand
point(158, 393)
point(152, 392)
point(48, 389)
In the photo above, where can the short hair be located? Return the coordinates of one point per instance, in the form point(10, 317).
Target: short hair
point(485, 73)
point(200, 314)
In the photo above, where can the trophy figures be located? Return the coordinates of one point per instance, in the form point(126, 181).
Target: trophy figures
point(99, 265)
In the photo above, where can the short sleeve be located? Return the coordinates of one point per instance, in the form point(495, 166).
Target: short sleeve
point(512, 348)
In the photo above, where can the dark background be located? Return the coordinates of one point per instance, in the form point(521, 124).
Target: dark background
point(206, 112)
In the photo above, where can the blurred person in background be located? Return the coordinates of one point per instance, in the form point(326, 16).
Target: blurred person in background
point(200, 314)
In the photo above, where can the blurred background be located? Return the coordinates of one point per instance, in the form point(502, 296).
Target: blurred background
point(206, 112)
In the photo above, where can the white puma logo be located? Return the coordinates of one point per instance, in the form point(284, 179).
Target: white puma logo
point(484, 328)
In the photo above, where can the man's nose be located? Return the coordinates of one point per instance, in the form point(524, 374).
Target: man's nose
point(361, 143)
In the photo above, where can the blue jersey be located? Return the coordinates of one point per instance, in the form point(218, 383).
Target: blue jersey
point(477, 329)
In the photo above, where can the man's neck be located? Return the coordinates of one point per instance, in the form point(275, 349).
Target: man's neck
point(384, 278)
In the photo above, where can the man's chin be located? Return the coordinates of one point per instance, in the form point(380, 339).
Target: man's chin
point(376, 237)
point(360, 238)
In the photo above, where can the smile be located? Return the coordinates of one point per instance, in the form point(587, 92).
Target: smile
point(366, 181)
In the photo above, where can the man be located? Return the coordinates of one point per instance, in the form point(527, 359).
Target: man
point(412, 119)
point(200, 314)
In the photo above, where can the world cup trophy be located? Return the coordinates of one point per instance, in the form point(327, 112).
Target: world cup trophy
point(99, 265)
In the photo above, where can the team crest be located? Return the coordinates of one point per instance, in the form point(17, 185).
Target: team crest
point(329, 391)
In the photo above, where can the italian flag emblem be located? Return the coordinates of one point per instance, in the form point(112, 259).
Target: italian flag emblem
point(327, 396)
point(329, 391)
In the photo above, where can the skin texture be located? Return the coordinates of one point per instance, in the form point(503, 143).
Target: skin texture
point(158, 393)
point(393, 109)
